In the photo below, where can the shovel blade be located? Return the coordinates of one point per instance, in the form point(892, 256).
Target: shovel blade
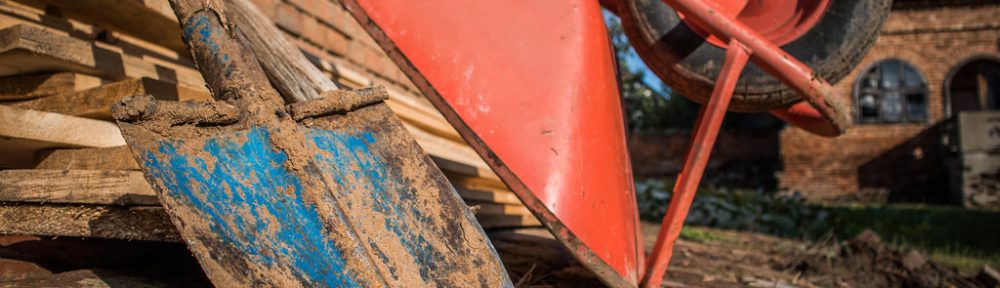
point(350, 205)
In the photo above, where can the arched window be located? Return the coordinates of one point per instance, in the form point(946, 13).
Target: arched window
point(973, 85)
point(890, 91)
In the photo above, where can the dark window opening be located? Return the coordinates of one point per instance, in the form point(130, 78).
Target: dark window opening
point(975, 86)
point(891, 91)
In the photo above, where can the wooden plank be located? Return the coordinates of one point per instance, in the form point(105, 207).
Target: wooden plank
point(494, 222)
point(142, 19)
point(24, 132)
point(432, 123)
point(33, 13)
point(39, 14)
point(451, 156)
point(115, 222)
point(444, 148)
point(113, 158)
point(476, 182)
point(483, 208)
point(54, 52)
point(346, 76)
point(96, 102)
point(107, 187)
point(25, 49)
point(495, 196)
point(23, 87)
point(12, 14)
point(450, 166)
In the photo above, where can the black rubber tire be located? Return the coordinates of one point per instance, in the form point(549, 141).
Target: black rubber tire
point(689, 64)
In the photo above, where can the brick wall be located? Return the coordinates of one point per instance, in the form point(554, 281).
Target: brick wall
point(870, 157)
point(740, 158)
point(325, 30)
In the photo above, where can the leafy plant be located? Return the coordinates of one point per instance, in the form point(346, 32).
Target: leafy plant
point(788, 216)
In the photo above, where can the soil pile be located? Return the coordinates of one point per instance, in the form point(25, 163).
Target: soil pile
point(866, 259)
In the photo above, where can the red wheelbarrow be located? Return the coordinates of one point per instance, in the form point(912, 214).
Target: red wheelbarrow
point(531, 86)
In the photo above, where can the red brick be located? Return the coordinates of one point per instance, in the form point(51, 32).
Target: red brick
point(312, 30)
point(357, 53)
point(335, 42)
point(336, 16)
point(363, 37)
point(309, 6)
point(288, 18)
point(266, 6)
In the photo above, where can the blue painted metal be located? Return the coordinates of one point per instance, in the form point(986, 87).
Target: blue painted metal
point(248, 179)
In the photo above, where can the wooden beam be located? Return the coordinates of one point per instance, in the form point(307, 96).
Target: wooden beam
point(96, 102)
point(54, 52)
point(450, 166)
point(33, 13)
point(450, 155)
point(143, 19)
point(106, 187)
point(444, 148)
point(495, 196)
point(115, 222)
point(431, 122)
point(113, 158)
point(493, 222)
point(23, 87)
point(484, 208)
point(473, 181)
point(24, 132)
point(25, 49)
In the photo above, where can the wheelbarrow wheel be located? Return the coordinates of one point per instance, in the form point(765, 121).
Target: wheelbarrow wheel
point(832, 44)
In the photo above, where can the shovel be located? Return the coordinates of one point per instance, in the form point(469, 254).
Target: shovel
point(329, 192)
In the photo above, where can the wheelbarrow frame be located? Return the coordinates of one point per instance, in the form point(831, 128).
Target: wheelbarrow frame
point(821, 113)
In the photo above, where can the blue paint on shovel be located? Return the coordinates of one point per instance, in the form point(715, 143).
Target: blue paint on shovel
point(253, 203)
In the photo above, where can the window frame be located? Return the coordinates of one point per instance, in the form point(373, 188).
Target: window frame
point(903, 91)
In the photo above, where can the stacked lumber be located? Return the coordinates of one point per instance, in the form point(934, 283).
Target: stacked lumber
point(64, 169)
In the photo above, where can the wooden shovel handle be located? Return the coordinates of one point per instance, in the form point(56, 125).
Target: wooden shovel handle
point(289, 70)
point(230, 72)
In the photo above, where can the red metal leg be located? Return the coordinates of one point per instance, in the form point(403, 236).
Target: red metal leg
point(706, 130)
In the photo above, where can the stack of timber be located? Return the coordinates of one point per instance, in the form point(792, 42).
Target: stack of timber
point(64, 169)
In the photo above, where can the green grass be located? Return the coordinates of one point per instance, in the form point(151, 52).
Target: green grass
point(953, 236)
point(699, 235)
point(950, 232)
point(966, 261)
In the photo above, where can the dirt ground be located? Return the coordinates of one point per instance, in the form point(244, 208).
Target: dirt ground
point(737, 259)
point(711, 258)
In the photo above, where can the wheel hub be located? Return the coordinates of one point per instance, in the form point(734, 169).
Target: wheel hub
point(780, 21)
